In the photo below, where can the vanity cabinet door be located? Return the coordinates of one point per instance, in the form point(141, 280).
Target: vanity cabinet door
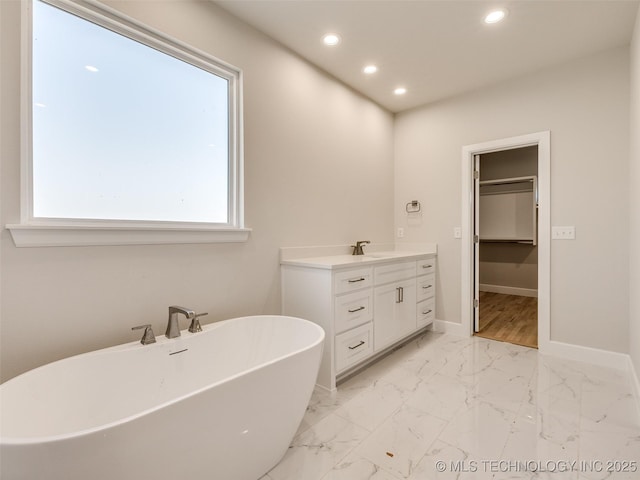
point(395, 312)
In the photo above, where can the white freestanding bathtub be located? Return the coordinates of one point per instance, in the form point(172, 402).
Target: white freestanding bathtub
point(221, 404)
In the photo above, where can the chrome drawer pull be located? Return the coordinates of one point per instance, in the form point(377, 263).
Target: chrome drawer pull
point(427, 266)
point(428, 286)
point(427, 312)
point(356, 310)
point(358, 345)
point(361, 279)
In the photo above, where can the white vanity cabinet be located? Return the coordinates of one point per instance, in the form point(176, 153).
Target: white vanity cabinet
point(365, 305)
point(394, 303)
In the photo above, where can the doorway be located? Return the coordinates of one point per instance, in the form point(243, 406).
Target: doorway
point(508, 240)
point(506, 223)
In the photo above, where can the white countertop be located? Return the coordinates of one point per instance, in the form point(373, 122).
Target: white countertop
point(335, 261)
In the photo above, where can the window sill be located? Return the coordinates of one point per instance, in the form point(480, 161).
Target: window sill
point(70, 235)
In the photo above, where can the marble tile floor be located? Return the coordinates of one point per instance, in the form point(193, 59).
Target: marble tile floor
point(445, 407)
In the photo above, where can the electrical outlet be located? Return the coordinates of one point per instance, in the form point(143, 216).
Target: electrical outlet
point(563, 233)
point(457, 232)
point(400, 232)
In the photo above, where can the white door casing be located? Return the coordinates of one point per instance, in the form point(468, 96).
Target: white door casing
point(543, 141)
point(476, 243)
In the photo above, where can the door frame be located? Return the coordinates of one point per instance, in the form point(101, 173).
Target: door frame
point(543, 141)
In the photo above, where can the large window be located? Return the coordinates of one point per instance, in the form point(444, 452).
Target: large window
point(127, 127)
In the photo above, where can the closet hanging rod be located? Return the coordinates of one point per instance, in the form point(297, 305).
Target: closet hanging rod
point(504, 181)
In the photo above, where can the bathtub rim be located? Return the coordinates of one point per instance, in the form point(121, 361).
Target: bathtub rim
point(161, 341)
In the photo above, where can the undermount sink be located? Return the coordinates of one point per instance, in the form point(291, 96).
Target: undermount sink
point(385, 254)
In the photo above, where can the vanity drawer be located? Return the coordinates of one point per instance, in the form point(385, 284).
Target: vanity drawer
point(426, 287)
point(353, 309)
point(426, 312)
point(351, 280)
point(426, 266)
point(353, 346)
point(394, 272)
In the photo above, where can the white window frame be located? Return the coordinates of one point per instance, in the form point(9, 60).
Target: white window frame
point(38, 232)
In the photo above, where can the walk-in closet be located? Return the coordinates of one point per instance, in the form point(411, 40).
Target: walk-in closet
point(508, 256)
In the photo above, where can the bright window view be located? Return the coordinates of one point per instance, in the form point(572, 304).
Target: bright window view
point(122, 131)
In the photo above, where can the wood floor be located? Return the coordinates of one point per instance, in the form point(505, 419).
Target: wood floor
point(509, 318)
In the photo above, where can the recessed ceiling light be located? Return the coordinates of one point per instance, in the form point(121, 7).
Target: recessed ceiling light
point(495, 16)
point(91, 68)
point(331, 39)
point(370, 69)
point(400, 91)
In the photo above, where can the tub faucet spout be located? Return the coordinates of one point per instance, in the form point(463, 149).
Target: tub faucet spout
point(173, 326)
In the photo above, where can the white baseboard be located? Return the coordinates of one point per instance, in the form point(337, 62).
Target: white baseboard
point(523, 292)
point(596, 356)
point(635, 382)
point(442, 326)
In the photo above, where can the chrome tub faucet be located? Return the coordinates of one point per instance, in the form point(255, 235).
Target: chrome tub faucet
point(173, 326)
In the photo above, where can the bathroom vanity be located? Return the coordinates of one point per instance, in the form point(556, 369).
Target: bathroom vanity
point(366, 303)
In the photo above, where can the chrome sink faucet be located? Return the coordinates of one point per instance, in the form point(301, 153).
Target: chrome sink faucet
point(357, 248)
point(173, 327)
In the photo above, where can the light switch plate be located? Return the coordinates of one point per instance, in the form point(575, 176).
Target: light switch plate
point(457, 232)
point(563, 233)
point(400, 232)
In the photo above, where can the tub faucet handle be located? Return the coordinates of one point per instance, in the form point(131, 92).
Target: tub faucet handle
point(195, 323)
point(148, 336)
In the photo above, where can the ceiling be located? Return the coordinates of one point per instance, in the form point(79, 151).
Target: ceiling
point(438, 49)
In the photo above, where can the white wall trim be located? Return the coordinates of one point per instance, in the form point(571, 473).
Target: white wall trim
point(543, 141)
point(443, 326)
point(523, 292)
point(83, 235)
point(603, 358)
point(596, 356)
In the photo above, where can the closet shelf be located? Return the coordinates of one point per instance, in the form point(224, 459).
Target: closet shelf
point(524, 241)
point(508, 210)
point(503, 186)
point(507, 181)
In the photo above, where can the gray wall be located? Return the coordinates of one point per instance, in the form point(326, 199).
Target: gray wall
point(517, 162)
point(634, 187)
point(318, 164)
point(509, 265)
point(319, 159)
point(585, 105)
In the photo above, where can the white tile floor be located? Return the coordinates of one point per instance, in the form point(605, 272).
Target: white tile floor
point(444, 407)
